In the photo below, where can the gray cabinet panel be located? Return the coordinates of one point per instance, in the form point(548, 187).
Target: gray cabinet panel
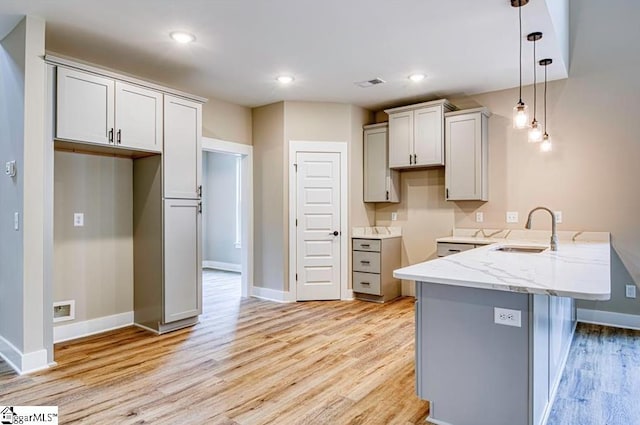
point(182, 259)
point(182, 148)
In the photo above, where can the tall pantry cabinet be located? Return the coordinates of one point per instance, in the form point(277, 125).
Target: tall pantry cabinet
point(160, 129)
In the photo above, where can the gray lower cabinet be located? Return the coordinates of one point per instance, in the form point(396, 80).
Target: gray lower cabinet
point(500, 374)
point(373, 263)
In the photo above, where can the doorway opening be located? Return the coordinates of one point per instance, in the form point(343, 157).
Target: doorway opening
point(227, 205)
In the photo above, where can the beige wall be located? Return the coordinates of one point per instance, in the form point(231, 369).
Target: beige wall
point(298, 121)
point(93, 265)
point(592, 173)
point(227, 121)
point(269, 196)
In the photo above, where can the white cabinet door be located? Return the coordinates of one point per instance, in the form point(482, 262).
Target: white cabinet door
point(85, 107)
point(380, 183)
point(428, 136)
point(182, 155)
point(138, 117)
point(466, 152)
point(401, 139)
point(182, 295)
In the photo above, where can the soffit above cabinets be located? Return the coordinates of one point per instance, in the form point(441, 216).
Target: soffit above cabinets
point(463, 47)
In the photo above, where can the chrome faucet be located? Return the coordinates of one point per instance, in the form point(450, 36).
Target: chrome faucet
point(554, 234)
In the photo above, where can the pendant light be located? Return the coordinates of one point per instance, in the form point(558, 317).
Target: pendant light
point(535, 131)
point(520, 113)
point(545, 146)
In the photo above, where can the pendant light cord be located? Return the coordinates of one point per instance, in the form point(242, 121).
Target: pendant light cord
point(545, 99)
point(520, 26)
point(535, 97)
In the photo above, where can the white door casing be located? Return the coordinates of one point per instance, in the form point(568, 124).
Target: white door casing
point(318, 202)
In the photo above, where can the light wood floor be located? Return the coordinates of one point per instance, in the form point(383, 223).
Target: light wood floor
point(247, 362)
point(601, 383)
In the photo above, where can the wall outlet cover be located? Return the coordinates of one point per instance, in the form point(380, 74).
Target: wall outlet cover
point(512, 216)
point(394, 216)
point(479, 217)
point(558, 215)
point(630, 291)
point(78, 219)
point(507, 317)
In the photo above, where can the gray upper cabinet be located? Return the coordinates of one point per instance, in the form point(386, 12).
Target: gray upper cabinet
point(182, 296)
point(466, 171)
point(138, 117)
point(96, 109)
point(182, 148)
point(416, 134)
point(381, 184)
point(85, 107)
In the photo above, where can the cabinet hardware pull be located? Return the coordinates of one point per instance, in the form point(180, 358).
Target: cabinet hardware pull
point(199, 207)
point(454, 250)
point(119, 138)
point(387, 195)
point(365, 283)
point(200, 191)
point(410, 159)
point(111, 136)
point(447, 196)
point(365, 245)
point(365, 262)
point(415, 159)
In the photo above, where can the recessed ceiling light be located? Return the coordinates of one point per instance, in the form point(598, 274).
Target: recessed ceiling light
point(416, 77)
point(182, 37)
point(285, 79)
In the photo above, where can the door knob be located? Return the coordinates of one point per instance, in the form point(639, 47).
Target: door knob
point(336, 233)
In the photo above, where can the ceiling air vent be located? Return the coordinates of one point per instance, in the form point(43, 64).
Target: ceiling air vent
point(369, 83)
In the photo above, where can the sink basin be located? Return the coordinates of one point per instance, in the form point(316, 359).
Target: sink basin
point(523, 249)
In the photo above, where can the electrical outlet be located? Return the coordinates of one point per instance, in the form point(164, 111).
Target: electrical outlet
point(16, 221)
point(512, 216)
point(78, 219)
point(630, 291)
point(10, 168)
point(394, 216)
point(479, 217)
point(504, 316)
point(558, 215)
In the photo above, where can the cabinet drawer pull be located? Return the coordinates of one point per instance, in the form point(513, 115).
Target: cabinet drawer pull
point(365, 283)
point(454, 250)
point(365, 262)
point(365, 245)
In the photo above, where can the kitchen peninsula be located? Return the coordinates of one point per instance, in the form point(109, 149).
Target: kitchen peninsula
point(494, 323)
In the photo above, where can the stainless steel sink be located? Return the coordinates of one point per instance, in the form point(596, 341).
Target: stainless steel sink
point(521, 249)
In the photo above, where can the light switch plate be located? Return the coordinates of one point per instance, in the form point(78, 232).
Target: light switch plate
point(394, 216)
point(558, 215)
point(479, 217)
point(78, 219)
point(512, 216)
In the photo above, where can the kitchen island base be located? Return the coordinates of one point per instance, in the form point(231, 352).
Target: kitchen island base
point(477, 372)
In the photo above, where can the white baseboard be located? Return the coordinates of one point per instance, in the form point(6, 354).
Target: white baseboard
point(219, 265)
point(348, 296)
point(23, 363)
point(609, 318)
point(93, 326)
point(436, 422)
point(271, 294)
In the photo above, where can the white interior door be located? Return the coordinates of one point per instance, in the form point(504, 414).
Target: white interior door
point(318, 230)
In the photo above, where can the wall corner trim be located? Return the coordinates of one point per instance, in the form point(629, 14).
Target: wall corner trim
point(609, 318)
point(91, 327)
point(23, 363)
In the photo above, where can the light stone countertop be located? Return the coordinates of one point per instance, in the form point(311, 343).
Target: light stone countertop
point(376, 232)
point(579, 269)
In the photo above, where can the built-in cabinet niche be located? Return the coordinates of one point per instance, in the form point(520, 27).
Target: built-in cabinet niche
point(160, 131)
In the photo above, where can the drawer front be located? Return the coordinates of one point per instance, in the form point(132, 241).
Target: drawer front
point(367, 283)
point(366, 245)
point(445, 249)
point(366, 262)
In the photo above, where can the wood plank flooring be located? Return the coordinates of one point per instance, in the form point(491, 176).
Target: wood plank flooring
point(247, 362)
point(601, 382)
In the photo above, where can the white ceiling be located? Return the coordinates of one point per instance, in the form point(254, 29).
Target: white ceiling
point(464, 46)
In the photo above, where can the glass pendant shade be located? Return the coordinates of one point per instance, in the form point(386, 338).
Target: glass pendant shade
point(545, 146)
point(520, 116)
point(535, 132)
